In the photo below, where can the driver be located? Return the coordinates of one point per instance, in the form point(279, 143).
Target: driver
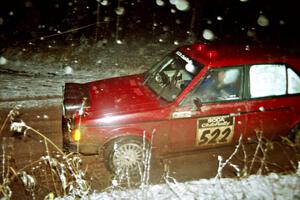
point(224, 90)
point(214, 87)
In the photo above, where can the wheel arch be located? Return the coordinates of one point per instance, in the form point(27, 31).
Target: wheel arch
point(127, 132)
point(119, 139)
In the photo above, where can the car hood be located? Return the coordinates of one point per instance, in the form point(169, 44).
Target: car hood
point(121, 95)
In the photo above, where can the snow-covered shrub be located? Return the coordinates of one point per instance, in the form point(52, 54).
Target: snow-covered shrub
point(63, 170)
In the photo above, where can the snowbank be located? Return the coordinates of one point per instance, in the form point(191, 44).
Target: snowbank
point(273, 186)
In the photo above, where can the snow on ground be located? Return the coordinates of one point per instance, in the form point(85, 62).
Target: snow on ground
point(273, 186)
point(36, 78)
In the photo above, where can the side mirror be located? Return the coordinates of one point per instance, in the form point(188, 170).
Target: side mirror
point(197, 103)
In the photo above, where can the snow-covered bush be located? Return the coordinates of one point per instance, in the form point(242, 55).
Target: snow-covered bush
point(64, 170)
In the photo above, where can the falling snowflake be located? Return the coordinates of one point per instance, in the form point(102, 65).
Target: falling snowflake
point(3, 60)
point(182, 5)
point(68, 70)
point(263, 21)
point(250, 33)
point(208, 34)
point(1, 21)
point(160, 2)
point(120, 10)
point(219, 18)
point(173, 2)
point(119, 42)
point(103, 2)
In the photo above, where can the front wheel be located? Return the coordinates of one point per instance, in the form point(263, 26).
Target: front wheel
point(125, 154)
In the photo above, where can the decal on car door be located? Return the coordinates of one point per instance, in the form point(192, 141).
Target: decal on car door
point(214, 130)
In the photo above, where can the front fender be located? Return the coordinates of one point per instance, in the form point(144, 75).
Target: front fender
point(126, 132)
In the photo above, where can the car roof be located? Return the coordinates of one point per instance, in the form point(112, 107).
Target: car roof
point(225, 54)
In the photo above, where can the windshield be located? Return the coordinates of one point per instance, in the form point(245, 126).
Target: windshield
point(169, 77)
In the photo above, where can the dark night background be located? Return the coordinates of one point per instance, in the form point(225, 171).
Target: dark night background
point(24, 21)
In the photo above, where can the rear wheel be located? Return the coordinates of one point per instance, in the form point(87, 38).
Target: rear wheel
point(125, 154)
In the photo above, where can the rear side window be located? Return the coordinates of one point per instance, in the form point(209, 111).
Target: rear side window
point(294, 82)
point(273, 80)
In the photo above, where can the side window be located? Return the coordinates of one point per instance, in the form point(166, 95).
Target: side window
point(221, 84)
point(273, 80)
point(293, 82)
point(267, 80)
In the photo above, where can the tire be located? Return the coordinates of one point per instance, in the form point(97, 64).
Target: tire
point(125, 154)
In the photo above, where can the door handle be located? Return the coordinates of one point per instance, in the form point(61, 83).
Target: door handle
point(183, 114)
point(234, 114)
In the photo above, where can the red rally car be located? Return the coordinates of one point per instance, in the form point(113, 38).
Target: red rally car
point(199, 96)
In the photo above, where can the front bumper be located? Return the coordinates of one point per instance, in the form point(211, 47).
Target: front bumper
point(68, 144)
point(74, 95)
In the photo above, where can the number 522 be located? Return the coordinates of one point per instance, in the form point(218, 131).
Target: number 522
point(214, 135)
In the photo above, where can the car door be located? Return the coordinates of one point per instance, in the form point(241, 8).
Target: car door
point(204, 118)
point(272, 100)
